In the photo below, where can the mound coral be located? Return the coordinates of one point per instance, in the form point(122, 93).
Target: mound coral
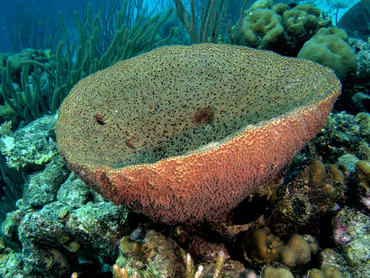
point(262, 246)
point(329, 48)
point(329, 271)
point(271, 272)
point(185, 133)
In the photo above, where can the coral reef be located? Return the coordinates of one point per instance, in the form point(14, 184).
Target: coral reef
point(201, 143)
point(363, 186)
point(158, 256)
point(342, 136)
point(15, 61)
point(301, 23)
point(178, 143)
point(333, 262)
point(350, 225)
point(74, 193)
point(363, 120)
point(76, 225)
point(59, 219)
point(363, 173)
point(303, 31)
point(350, 233)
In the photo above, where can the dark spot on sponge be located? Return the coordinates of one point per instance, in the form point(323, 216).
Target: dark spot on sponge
point(203, 116)
point(100, 119)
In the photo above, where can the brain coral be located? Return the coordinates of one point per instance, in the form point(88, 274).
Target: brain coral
point(184, 133)
point(261, 29)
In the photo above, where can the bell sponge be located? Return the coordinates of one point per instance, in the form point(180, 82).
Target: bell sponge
point(185, 133)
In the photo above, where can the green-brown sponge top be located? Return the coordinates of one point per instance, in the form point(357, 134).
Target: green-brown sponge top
point(176, 99)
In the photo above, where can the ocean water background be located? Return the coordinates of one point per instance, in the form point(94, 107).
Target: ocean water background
point(11, 11)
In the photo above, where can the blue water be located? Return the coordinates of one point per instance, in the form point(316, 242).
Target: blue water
point(13, 10)
point(49, 9)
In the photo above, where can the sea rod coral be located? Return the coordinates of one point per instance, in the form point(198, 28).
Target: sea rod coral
point(185, 133)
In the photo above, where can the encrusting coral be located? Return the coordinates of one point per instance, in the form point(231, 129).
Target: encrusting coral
point(185, 133)
point(351, 235)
